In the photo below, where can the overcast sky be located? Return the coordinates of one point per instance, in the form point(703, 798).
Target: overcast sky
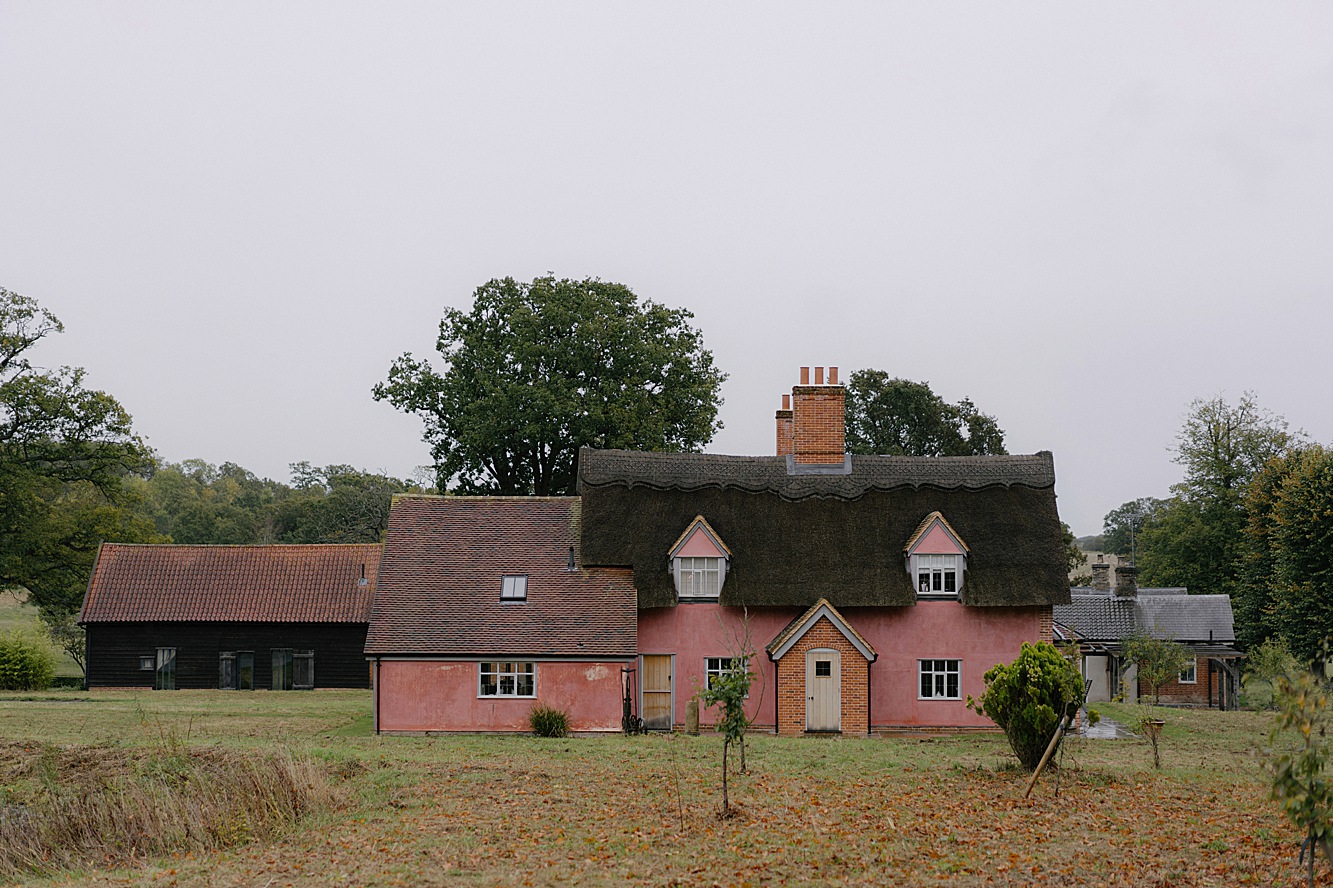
point(1081, 216)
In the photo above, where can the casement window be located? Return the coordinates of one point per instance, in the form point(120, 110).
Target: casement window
point(236, 670)
point(699, 577)
point(939, 679)
point(1190, 674)
point(937, 574)
point(147, 663)
point(508, 680)
point(293, 670)
point(717, 667)
point(514, 588)
point(164, 677)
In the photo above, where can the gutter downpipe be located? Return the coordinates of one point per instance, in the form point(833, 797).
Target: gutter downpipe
point(376, 707)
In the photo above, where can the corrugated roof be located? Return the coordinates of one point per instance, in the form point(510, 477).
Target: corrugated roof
point(285, 583)
point(439, 589)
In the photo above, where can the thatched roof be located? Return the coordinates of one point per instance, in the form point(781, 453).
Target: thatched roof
point(796, 538)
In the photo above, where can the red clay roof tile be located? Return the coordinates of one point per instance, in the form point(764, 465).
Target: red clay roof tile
point(285, 584)
point(439, 589)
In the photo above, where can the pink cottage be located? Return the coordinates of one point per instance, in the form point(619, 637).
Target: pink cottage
point(873, 591)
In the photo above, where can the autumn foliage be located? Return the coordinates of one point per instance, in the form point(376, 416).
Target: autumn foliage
point(1028, 697)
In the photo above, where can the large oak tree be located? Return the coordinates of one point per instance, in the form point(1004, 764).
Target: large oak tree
point(899, 417)
point(534, 371)
point(65, 451)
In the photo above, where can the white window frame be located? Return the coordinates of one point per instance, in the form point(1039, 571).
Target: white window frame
point(692, 573)
point(938, 567)
point(716, 667)
point(514, 587)
point(1192, 671)
point(515, 671)
point(940, 669)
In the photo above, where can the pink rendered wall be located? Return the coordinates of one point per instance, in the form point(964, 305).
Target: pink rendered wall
point(432, 695)
point(700, 546)
point(978, 636)
point(697, 630)
point(937, 542)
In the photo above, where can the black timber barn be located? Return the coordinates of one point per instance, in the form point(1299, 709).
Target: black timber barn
point(285, 617)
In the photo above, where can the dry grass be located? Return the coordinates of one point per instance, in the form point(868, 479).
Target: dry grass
point(66, 807)
point(520, 810)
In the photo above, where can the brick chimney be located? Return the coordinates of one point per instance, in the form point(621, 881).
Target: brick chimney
point(785, 442)
point(1126, 581)
point(1101, 576)
point(817, 419)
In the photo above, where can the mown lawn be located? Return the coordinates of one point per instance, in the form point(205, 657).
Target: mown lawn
point(475, 810)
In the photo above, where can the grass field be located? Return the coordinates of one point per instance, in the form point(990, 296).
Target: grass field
point(488, 810)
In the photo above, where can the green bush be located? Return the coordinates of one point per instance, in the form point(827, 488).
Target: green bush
point(1027, 698)
point(1264, 665)
point(547, 721)
point(27, 662)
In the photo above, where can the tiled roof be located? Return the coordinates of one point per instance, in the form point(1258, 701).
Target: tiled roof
point(768, 474)
point(439, 590)
point(1188, 617)
point(1101, 616)
point(285, 584)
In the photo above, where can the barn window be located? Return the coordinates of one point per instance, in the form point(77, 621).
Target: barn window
point(293, 670)
point(164, 678)
point(236, 670)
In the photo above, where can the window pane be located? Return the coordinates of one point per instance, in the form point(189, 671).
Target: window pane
point(951, 685)
point(925, 683)
point(525, 685)
point(949, 582)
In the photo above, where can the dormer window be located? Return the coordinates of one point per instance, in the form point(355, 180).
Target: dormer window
point(936, 558)
point(699, 562)
point(936, 574)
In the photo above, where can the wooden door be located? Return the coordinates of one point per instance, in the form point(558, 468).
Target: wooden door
point(823, 690)
point(656, 691)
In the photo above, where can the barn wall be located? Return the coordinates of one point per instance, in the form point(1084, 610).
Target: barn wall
point(114, 650)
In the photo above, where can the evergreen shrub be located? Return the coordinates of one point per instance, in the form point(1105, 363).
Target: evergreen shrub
point(1027, 698)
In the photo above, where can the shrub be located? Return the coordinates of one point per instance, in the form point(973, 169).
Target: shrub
point(547, 721)
point(1160, 660)
point(1264, 665)
point(1027, 698)
point(27, 662)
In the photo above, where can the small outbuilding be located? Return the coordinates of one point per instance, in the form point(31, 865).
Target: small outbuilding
point(286, 617)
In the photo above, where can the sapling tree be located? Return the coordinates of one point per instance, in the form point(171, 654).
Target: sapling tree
point(1301, 781)
point(729, 691)
point(1160, 660)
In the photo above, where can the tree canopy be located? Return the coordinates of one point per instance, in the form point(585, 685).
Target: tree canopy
point(65, 452)
point(898, 417)
point(1194, 538)
point(1121, 526)
point(534, 371)
point(1286, 589)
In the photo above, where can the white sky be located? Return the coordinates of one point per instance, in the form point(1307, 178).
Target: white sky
point(1082, 216)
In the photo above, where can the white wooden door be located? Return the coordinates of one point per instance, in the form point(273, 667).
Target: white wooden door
point(657, 691)
point(823, 690)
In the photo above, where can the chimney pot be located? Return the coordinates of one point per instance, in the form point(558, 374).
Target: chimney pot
point(805, 376)
point(833, 376)
point(819, 376)
point(786, 402)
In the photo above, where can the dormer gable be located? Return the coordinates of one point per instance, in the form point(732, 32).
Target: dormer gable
point(935, 536)
point(936, 558)
point(699, 561)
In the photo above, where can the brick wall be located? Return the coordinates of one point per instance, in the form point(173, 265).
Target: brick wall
point(1046, 625)
point(855, 681)
point(1193, 694)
